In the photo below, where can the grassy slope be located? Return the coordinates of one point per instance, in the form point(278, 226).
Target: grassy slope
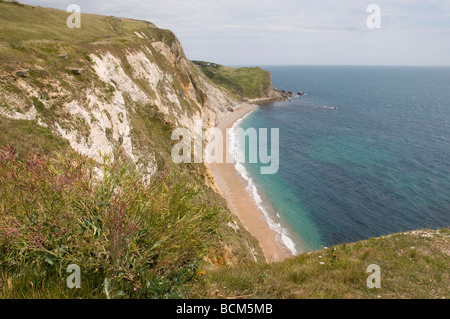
point(147, 239)
point(241, 82)
point(413, 265)
point(30, 138)
point(35, 36)
point(30, 36)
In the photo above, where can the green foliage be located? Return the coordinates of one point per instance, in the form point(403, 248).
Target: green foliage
point(413, 265)
point(241, 83)
point(44, 24)
point(131, 240)
point(30, 138)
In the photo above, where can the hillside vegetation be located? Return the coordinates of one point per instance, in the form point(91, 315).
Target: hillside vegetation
point(242, 83)
point(413, 265)
point(130, 239)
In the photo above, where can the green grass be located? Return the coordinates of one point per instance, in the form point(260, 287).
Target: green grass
point(31, 35)
point(144, 240)
point(30, 138)
point(39, 25)
point(239, 82)
point(413, 265)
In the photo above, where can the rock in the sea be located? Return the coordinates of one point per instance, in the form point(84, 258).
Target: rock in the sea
point(301, 93)
point(23, 73)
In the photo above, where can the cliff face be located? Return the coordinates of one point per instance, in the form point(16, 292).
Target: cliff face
point(91, 89)
point(95, 85)
point(113, 83)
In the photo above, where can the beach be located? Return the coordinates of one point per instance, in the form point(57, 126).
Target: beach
point(232, 187)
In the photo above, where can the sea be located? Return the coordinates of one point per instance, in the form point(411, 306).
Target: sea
point(364, 153)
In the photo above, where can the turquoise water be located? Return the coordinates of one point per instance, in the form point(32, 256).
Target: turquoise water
point(378, 164)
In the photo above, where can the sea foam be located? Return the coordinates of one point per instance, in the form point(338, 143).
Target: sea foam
point(238, 151)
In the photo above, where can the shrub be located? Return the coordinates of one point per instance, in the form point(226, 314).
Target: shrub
point(130, 239)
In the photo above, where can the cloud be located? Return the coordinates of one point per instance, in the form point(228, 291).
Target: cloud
point(293, 31)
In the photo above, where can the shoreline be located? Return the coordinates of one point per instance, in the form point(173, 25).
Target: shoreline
point(231, 185)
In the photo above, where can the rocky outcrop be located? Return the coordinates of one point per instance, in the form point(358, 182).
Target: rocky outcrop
point(98, 112)
point(22, 73)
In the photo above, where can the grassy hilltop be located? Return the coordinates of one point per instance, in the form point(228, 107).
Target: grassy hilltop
point(242, 83)
point(413, 265)
point(172, 236)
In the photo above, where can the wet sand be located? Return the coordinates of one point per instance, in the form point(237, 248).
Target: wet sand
point(232, 187)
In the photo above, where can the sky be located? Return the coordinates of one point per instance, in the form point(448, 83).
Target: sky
point(293, 32)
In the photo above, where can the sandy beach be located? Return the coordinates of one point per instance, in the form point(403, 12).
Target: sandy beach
point(232, 187)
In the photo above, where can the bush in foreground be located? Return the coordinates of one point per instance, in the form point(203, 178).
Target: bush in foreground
point(130, 239)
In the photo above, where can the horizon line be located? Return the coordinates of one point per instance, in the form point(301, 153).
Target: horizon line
point(338, 65)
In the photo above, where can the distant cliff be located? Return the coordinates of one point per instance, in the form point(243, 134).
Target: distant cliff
point(242, 83)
